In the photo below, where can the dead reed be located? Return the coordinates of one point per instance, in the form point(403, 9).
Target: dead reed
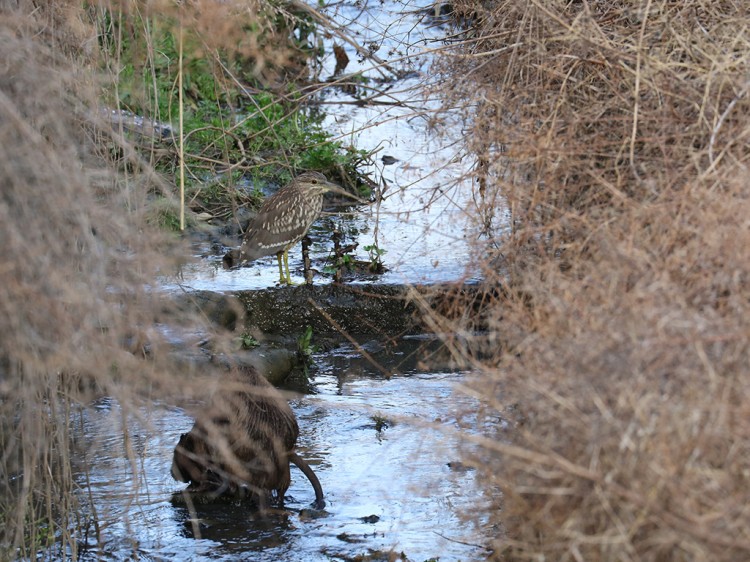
point(75, 304)
point(617, 134)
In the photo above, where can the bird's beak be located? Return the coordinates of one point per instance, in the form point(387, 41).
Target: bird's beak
point(331, 187)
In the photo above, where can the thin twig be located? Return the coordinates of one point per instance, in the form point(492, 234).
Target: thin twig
point(720, 122)
point(354, 342)
point(180, 103)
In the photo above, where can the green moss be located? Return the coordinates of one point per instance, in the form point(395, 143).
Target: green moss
point(248, 341)
point(164, 214)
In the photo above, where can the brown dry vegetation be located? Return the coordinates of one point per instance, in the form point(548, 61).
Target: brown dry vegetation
point(617, 133)
point(79, 261)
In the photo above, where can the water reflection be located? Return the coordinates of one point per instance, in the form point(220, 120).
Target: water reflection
point(234, 526)
point(387, 485)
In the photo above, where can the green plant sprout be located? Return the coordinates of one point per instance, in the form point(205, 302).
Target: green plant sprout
point(375, 253)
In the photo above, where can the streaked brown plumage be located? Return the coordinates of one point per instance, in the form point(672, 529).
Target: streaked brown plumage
point(242, 441)
point(283, 220)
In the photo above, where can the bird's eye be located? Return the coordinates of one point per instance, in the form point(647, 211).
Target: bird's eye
point(314, 181)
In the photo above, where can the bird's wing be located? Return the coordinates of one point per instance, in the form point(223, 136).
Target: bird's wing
point(280, 223)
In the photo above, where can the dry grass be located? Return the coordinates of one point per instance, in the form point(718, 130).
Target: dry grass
point(617, 133)
point(75, 304)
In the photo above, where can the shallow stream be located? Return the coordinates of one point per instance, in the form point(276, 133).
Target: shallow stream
point(386, 450)
point(422, 219)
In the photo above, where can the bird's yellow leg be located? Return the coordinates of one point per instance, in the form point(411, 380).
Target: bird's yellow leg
point(281, 269)
point(284, 279)
point(286, 266)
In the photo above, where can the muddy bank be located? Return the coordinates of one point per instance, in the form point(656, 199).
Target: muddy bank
point(330, 310)
point(376, 321)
